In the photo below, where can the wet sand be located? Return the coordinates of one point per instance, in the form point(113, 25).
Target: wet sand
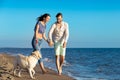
point(6, 71)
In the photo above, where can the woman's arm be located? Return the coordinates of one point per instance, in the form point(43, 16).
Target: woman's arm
point(36, 33)
point(44, 37)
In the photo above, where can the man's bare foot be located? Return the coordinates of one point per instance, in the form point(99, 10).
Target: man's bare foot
point(60, 71)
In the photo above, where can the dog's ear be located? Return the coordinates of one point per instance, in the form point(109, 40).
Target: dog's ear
point(33, 53)
point(39, 55)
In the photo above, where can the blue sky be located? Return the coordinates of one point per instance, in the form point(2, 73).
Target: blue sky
point(92, 23)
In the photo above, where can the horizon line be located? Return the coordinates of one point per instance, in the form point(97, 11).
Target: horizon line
point(53, 47)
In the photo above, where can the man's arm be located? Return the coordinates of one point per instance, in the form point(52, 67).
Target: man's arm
point(66, 35)
point(50, 35)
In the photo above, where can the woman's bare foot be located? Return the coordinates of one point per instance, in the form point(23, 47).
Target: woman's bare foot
point(44, 71)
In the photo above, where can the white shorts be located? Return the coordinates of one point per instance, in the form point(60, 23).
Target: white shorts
point(59, 50)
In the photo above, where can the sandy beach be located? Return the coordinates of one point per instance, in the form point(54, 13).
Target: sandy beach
point(6, 71)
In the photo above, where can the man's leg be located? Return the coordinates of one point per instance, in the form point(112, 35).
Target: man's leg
point(62, 58)
point(57, 55)
point(57, 62)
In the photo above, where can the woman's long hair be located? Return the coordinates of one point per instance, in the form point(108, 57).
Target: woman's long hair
point(41, 18)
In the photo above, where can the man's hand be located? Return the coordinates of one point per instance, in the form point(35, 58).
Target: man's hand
point(51, 43)
point(64, 44)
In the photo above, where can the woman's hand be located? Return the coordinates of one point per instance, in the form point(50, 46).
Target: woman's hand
point(36, 40)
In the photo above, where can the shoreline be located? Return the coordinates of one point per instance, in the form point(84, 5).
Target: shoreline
point(6, 71)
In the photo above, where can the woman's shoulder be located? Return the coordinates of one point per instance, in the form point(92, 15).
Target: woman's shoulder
point(39, 22)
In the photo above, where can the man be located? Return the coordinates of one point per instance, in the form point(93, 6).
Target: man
point(58, 35)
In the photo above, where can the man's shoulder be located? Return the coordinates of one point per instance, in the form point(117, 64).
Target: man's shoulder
point(53, 24)
point(65, 23)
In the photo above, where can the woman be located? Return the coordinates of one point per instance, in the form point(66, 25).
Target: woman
point(39, 35)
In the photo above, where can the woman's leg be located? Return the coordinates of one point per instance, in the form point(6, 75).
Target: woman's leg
point(37, 47)
point(40, 60)
point(33, 44)
point(42, 66)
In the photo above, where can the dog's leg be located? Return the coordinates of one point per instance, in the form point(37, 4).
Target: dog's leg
point(19, 73)
point(30, 72)
point(33, 72)
point(14, 72)
point(15, 67)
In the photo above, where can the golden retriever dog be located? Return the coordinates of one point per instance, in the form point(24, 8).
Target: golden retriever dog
point(27, 62)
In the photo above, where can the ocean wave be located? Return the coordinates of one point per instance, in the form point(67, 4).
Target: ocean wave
point(66, 63)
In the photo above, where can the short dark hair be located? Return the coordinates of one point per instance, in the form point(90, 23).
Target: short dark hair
point(59, 14)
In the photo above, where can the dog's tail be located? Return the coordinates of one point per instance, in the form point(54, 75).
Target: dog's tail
point(17, 58)
point(15, 63)
point(20, 55)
